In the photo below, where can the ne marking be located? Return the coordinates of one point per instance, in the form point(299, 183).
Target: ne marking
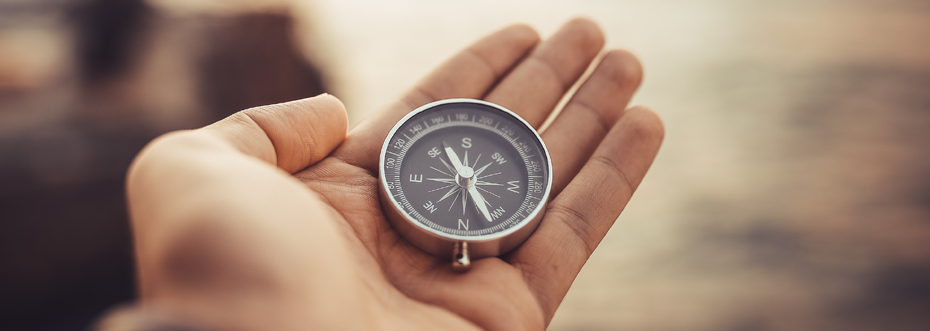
point(429, 206)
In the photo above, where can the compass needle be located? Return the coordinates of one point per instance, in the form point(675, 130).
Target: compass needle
point(452, 170)
point(464, 202)
point(479, 202)
point(456, 164)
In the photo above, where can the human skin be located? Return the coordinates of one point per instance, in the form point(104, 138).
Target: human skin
point(270, 219)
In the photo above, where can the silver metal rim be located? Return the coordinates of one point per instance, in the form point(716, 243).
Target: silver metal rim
point(450, 237)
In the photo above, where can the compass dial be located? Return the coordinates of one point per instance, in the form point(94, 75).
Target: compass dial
point(465, 170)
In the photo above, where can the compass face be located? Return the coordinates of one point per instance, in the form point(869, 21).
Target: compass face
point(465, 170)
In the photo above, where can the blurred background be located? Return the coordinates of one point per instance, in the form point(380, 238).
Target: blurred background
point(792, 191)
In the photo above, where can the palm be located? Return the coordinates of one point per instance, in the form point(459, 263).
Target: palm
point(492, 295)
point(313, 252)
point(495, 294)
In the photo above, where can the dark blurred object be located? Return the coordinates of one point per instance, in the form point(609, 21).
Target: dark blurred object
point(127, 73)
point(258, 73)
point(106, 31)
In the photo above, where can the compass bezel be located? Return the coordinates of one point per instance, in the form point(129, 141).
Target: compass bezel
point(438, 242)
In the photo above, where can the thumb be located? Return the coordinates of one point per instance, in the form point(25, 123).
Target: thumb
point(291, 135)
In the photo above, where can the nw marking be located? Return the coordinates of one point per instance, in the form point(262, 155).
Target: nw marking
point(497, 212)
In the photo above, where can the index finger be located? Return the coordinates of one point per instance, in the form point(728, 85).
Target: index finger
point(468, 74)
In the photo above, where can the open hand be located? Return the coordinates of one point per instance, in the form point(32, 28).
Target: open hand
point(270, 219)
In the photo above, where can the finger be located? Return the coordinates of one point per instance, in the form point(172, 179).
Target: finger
point(590, 114)
point(537, 84)
point(291, 135)
point(468, 74)
point(577, 220)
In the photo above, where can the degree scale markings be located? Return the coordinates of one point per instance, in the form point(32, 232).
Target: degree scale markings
point(518, 148)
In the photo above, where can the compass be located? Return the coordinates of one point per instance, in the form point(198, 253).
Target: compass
point(464, 178)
